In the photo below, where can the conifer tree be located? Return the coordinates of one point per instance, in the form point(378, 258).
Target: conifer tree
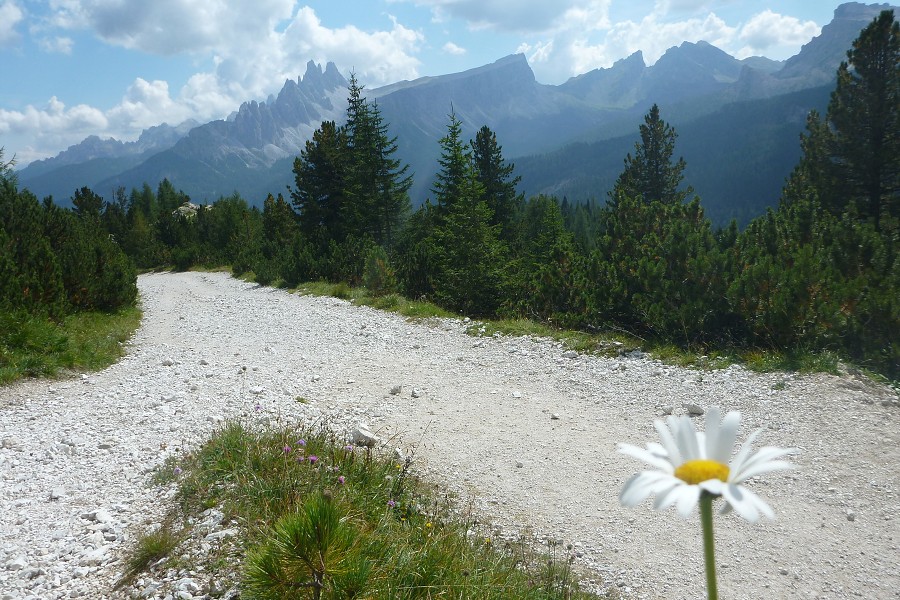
point(320, 192)
point(497, 179)
point(650, 175)
point(864, 115)
point(455, 167)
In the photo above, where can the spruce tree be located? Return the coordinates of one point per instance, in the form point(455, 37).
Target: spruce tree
point(864, 115)
point(497, 179)
point(650, 175)
point(455, 167)
point(320, 192)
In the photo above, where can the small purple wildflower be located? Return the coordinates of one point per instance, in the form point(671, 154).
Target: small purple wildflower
point(177, 471)
point(301, 442)
point(313, 459)
point(341, 480)
point(287, 449)
point(391, 503)
point(349, 447)
point(258, 407)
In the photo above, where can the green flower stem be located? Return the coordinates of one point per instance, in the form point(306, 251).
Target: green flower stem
point(709, 553)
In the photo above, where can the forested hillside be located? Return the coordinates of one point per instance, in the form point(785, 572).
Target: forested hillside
point(820, 272)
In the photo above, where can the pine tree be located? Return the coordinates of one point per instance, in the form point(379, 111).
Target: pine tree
point(320, 193)
point(377, 184)
point(864, 115)
point(496, 177)
point(455, 167)
point(650, 174)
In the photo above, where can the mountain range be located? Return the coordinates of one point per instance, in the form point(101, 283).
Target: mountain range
point(738, 123)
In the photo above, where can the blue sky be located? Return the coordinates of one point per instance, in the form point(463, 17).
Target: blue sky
point(73, 68)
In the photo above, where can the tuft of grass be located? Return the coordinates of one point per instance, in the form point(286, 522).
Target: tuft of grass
point(33, 346)
point(149, 548)
point(393, 302)
point(801, 361)
point(374, 529)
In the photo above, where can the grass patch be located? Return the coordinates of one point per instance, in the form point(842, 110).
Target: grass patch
point(149, 548)
point(38, 347)
point(801, 361)
point(316, 514)
point(392, 302)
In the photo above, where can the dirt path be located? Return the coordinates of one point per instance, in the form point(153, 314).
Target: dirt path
point(526, 431)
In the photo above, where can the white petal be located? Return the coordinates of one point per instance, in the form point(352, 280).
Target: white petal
point(701, 444)
point(758, 463)
point(687, 499)
point(720, 449)
point(660, 462)
point(738, 463)
point(713, 419)
point(764, 467)
point(657, 449)
point(641, 485)
point(685, 437)
point(713, 486)
point(746, 503)
point(668, 442)
point(665, 497)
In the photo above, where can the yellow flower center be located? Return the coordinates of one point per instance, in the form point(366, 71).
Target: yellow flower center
point(697, 471)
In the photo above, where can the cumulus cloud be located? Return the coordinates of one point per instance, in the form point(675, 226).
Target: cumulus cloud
point(451, 48)
point(10, 16)
point(768, 29)
point(252, 49)
point(572, 49)
point(378, 57)
point(523, 16)
point(54, 115)
point(170, 26)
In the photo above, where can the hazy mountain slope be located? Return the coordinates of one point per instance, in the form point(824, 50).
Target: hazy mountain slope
point(252, 151)
point(737, 157)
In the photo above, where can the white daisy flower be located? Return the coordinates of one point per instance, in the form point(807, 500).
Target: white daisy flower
point(690, 461)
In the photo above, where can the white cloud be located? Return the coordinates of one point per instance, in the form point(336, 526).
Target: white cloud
point(252, 48)
point(10, 16)
point(378, 57)
point(170, 27)
point(523, 16)
point(56, 45)
point(451, 48)
point(768, 29)
point(53, 125)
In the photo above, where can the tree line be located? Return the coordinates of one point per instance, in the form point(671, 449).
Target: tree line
point(819, 272)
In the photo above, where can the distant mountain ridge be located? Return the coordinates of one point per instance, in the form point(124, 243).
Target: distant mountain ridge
point(252, 151)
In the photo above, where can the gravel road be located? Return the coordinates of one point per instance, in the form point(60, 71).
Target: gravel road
point(518, 427)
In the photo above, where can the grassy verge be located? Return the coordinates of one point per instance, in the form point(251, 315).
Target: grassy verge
point(38, 347)
point(605, 343)
point(414, 309)
point(317, 515)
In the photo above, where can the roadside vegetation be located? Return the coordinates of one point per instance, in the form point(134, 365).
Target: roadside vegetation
point(320, 518)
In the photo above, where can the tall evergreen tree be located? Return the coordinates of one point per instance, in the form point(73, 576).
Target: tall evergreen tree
point(497, 179)
point(455, 167)
point(650, 175)
point(864, 115)
point(320, 192)
point(390, 183)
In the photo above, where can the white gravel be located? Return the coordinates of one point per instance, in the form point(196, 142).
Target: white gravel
point(527, 429)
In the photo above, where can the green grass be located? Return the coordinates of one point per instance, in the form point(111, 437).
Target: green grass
point(149, 548)
point(413, 309)
point(604, 343)
point(801, 361)
point(372, 524)
point(38, 347)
